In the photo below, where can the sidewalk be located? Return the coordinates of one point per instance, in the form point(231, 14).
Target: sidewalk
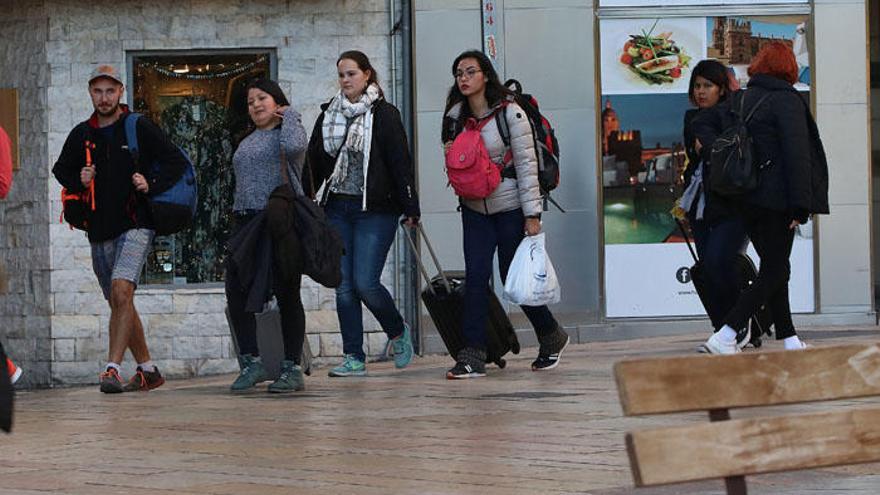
point(395, 432)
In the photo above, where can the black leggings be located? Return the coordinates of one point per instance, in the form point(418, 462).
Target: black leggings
point(293, 316)
point(773, 240)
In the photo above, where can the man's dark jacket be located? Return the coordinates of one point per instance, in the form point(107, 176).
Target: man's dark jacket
point(118, 207)
point(794, 177)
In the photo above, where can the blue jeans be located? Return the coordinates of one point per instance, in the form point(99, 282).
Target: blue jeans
point(367, 237)
point(718, 245)
point(483, 234)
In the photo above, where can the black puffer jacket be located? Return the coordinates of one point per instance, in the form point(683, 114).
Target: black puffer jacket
point(391, 179)
point(786, 139)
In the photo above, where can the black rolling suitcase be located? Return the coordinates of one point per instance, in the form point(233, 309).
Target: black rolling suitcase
point(271, 344)
point(760, 322)
point(443, 298)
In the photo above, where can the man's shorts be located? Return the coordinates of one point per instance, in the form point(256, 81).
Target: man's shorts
point(121, 258)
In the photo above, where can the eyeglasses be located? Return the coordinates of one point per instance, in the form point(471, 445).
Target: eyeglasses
point(469, 73)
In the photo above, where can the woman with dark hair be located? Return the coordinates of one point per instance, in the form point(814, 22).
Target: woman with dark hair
point(719, 232)
point(359, 148)
point(501, 220)
point(792, 185)
point(277, 135)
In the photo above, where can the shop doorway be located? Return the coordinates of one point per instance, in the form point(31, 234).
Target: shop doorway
point(198, 99)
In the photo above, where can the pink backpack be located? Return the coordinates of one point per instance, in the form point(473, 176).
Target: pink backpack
point(472, 174)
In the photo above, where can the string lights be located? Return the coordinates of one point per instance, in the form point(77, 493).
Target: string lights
point(197, 73)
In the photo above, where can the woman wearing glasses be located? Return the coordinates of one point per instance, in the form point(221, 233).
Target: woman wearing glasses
point(359, 148)
point(501, 220)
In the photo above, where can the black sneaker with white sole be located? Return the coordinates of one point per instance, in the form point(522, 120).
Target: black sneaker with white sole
point(463, 370)
point(470, 363)
point(551, 347)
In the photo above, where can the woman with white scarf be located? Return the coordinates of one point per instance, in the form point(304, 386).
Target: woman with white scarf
point(359, 152)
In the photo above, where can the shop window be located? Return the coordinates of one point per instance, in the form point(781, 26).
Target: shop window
point(198, 99)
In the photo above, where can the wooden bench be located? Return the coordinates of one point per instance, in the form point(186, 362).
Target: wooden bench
point(735, 448)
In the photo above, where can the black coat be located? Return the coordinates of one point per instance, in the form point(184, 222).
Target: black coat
point(794, 177)
point(390, 179)
point(718, 208)
point(118, 207)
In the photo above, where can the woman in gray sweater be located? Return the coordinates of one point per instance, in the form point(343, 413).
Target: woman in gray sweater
point(277, 132)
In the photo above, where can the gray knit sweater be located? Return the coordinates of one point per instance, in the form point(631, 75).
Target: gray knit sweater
point(257, 162)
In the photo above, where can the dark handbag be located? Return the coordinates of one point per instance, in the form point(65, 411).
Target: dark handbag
point(320, 245)
point(733, 167)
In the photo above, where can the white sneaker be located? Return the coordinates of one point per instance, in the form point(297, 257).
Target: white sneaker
point(803, 346)
point(715, 345)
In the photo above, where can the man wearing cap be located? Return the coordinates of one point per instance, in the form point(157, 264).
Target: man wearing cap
point(120, 228)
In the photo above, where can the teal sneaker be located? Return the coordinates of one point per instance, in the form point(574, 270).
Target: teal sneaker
point(401, 347)
point(290, 380)
point(351, 366)
point(252, 373)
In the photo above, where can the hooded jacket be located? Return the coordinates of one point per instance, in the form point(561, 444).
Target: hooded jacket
point(519, 186)
point(118, 207)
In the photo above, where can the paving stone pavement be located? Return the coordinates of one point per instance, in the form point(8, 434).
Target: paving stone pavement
point(394, 432)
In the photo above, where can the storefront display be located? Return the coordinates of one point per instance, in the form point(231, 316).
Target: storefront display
point(199, 101)
point(646, 65)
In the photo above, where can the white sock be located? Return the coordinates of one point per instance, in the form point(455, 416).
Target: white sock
point(147, 366)
point(792, 343)
point(727, 334)
point(112, 365)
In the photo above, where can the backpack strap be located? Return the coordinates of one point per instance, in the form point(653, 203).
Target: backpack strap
point(131, 139)
point(754, 108)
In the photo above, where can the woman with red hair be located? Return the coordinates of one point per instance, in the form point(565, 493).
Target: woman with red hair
point(792, 185)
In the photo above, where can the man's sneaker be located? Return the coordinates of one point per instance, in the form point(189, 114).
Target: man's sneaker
point(290, 380)
point(716, 345)
point(401, 348)
point(252, 373)
point(550, 350)
point(470, 363)
point(351, 366)
point(14, 371)
point(743, 337)
point(144, 381)
point(111, 382)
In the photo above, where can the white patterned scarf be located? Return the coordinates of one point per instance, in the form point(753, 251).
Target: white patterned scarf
point(340, 138)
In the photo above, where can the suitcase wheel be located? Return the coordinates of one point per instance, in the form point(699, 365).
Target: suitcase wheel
point(514, 346)
point(501, 363)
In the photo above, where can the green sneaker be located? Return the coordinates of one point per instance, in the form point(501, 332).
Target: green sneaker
point(290, 380)
point(401, 348)
point(252, 373)
point(351, 366)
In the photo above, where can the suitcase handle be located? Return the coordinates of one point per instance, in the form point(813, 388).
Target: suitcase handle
point(687, 240)
point(415, 251)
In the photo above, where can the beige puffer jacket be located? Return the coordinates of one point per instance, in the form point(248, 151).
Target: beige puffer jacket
point(523, 191)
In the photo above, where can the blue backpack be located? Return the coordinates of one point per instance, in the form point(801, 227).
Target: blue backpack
point(173, 209)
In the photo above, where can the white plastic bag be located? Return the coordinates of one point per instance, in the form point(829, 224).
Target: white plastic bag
point(531, 280)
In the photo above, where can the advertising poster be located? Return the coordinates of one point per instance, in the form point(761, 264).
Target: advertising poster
point(646, 69)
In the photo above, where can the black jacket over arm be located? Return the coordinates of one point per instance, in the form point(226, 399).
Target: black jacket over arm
point(794, 177)
point(391, 178)
point(118, 207)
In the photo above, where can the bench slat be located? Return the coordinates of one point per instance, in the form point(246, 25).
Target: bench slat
point(753, 446)
point(699, 383)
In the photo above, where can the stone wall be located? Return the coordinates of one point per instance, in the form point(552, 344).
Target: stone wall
point(24, 215)
point(186, 328)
